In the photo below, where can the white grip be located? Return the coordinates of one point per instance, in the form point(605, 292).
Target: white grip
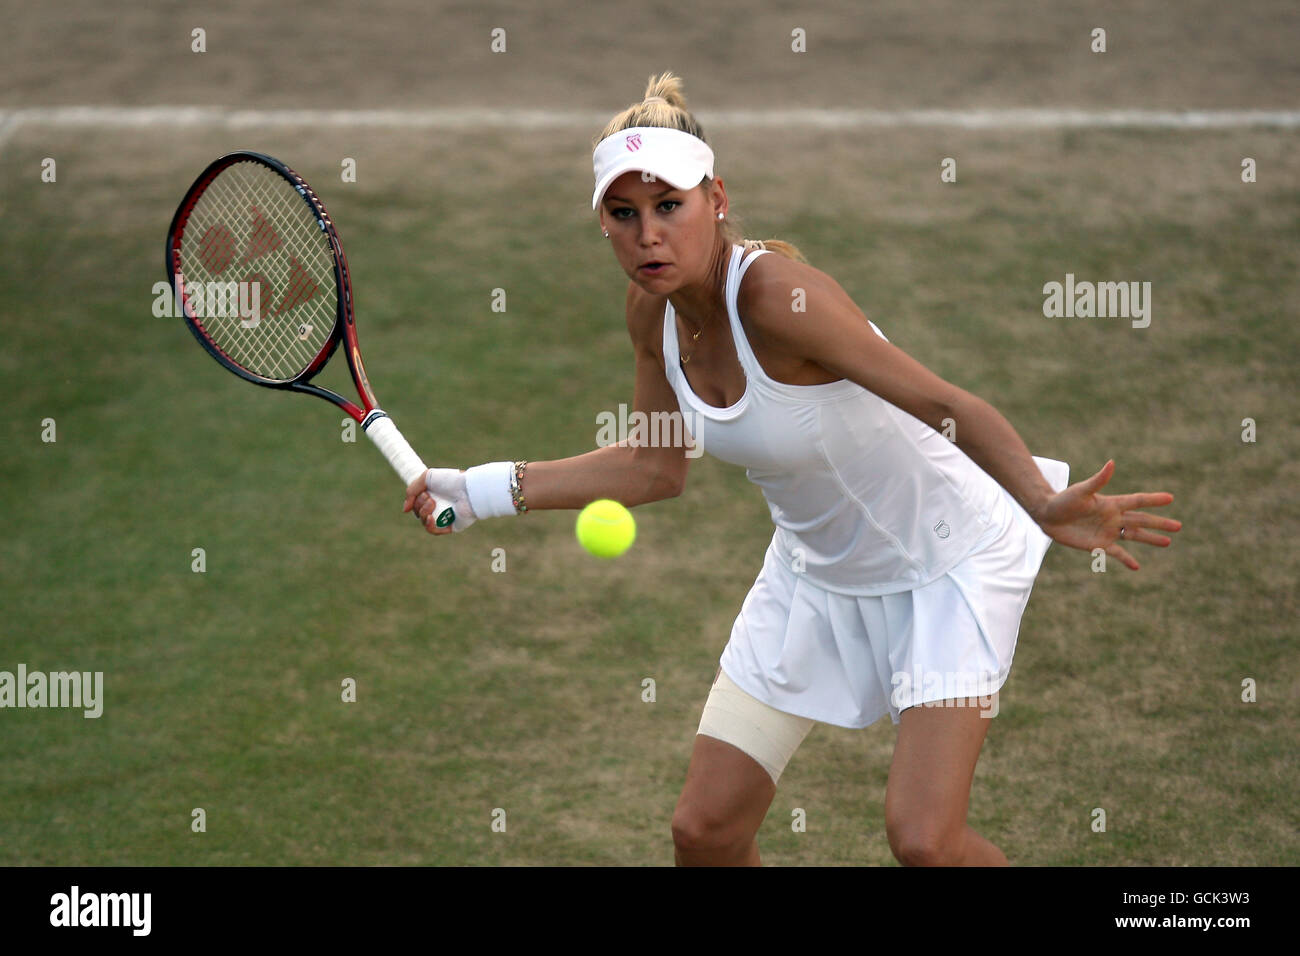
point(403, 458)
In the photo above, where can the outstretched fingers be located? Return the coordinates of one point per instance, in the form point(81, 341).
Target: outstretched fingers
point(1142, 528)
point(1139, 526)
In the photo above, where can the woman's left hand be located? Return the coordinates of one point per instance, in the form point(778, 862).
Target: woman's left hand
point(1081, 518)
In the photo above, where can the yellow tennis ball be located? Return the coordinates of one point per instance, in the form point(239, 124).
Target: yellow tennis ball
point(606, 528)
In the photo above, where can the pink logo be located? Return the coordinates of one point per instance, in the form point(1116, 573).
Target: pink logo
point(634, 142)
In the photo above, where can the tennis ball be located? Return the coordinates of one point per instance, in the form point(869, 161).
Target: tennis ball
point(605, 528)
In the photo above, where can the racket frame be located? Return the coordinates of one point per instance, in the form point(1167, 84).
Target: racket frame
point(394, 447)
point(345, 329)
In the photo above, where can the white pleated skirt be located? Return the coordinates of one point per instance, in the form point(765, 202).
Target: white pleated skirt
point(848, 660)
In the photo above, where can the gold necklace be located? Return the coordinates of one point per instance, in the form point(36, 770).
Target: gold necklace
point(694, 337)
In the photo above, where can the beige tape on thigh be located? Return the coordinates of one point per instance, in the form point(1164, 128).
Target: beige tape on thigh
point(768, 735)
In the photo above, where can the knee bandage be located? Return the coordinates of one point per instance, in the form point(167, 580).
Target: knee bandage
point(768, 735)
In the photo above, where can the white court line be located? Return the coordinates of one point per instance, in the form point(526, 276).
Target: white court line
point(119, 117)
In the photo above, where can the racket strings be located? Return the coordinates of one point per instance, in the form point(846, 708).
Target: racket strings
point(267, 352)
point(270, 202)
point(284, 348)
point(251, 225)
point(274, 348)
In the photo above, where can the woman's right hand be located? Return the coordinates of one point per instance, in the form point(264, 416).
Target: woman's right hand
point(449, 485)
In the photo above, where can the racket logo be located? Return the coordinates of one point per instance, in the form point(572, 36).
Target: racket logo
point(262, 238)
point(216, 249)
point(301, 286)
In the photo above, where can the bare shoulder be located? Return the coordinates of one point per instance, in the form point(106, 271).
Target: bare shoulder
point(777, 292)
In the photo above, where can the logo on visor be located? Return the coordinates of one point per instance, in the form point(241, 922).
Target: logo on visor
point(634, 142)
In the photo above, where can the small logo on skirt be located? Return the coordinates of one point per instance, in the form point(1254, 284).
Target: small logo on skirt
point(942, 529)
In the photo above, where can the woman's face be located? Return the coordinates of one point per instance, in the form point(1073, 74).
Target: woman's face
point(663, 237)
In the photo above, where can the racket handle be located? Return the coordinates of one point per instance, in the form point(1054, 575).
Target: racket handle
point(381, 430)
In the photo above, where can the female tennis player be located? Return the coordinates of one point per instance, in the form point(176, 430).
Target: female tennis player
point(901, 560)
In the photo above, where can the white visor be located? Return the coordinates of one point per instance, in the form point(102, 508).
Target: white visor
point(678, 158)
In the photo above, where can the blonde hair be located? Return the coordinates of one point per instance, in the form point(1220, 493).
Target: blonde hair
point(665, 106)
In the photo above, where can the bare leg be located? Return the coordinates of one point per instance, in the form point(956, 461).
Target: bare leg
point(723, 803)
point(929, 788)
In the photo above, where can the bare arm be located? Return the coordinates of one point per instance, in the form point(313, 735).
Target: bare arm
point(614, 471)
point(988, 439)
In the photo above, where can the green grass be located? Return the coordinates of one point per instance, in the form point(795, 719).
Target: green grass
point(522, 690)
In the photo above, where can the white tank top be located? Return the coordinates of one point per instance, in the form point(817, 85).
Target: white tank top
point(866, 498)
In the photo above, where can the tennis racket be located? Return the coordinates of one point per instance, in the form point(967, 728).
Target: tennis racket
point(258, 271)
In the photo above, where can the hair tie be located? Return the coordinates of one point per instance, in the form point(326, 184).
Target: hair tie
point(654, 99)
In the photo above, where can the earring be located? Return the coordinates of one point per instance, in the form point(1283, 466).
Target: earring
point(606, 235)
point(719, 215)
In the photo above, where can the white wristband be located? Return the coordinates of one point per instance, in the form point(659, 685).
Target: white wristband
point(488, 489)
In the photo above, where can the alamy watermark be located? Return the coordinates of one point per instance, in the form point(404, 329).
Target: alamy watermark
point(77, 909)
point(655, 430)
point(212, 300)
point(1102, 300)
point(945, 689)
point(76, 689)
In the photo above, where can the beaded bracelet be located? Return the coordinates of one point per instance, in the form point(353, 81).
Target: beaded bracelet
point(516, 492)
